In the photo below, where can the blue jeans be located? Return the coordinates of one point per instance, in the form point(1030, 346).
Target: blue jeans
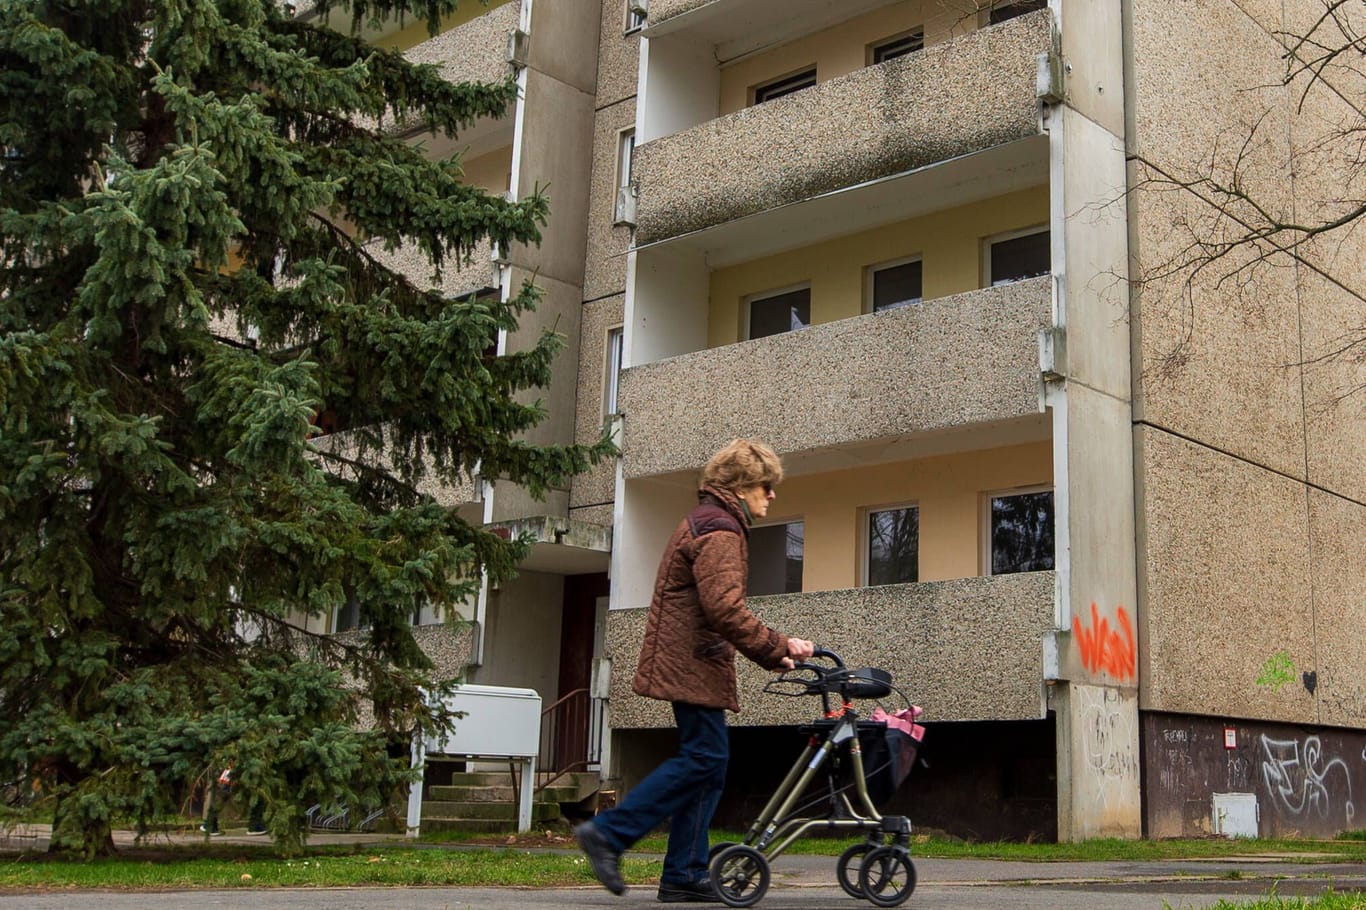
point(685, 790)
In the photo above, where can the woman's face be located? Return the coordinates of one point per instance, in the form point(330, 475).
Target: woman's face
point(757, 498)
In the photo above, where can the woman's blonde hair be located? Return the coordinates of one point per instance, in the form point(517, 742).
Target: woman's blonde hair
point(742, 463)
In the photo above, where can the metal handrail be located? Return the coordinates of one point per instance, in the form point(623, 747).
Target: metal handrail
point(571, 736)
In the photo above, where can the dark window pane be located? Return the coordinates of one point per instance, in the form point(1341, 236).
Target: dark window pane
point(348, 617)
point(1009, 9)
point(1022, 533)
point(785, 86)
point(896, 286)
point(780, 313)
point(894, 546)
point(898, 47)
point(1019, 258)
point(775, 558)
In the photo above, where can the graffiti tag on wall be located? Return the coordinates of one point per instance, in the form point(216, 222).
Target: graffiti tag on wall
point(1105, 648)
point(1301, 782)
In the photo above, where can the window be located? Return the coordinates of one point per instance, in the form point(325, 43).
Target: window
point(893, 546)
point(893, 285)
point(1020, 531)
point(347, 617)
point(784, 86)
point(775, 558)
point(1002, 10)
point(613, 377)
point(900, 46)
point(635, 15)
point(1018, 256)
point(626, 144)
point(778, 313)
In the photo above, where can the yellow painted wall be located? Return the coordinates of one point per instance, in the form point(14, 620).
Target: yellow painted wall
point(948, 490)
point(949, 243)
point(415, 31)
point(841, 49)
point(491, 172)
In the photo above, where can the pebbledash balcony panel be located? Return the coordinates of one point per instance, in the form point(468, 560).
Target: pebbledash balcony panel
point(945, 363)
point(973, 93)
point(964, 649)
point(476, 51)
point(459, 276)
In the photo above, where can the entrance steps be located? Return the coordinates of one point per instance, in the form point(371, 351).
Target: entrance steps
point(485, 802)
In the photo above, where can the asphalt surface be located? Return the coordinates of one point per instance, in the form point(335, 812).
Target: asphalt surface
point(800, 883)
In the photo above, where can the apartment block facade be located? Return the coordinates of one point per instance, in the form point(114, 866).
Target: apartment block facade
point(1100, 519)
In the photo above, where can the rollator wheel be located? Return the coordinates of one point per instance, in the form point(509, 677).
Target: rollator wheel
point(887, 876)
point(847, 868)
point(739, 873)
point(717, 848)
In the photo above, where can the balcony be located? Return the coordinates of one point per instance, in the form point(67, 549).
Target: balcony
point(957, 98)
point(967, 359)
point(458, 278)
point(476, 51)
point(738, 27)
point(966, 649)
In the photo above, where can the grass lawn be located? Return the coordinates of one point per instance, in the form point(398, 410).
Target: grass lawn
point(545, 861)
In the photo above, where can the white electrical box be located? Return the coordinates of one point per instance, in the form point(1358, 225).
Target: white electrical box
point(1235, 814)
point(499, 722)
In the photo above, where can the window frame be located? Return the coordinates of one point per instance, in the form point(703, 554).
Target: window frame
point(614, 352)
point(866, 542)
point(989, 12)
point(992, 239)
point(781, 523)
point(868, 285)
point(779, 81)
point(747, 310)
point(985, 521)
point(632, 21)
point(625, 136)
point(871, 53)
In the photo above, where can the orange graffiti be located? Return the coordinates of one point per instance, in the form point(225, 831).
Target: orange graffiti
point(1104, 649)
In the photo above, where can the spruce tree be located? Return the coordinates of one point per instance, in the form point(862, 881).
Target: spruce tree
point(189, 191)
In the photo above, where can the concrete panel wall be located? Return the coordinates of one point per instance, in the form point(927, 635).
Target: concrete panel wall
point(597, 486)
point(1218, 356)
point(1227, 564)
point(522, 635)
point(967, 649)
point(1098, 764)
point(948, 362)
point(605, 269)
point(559, 311)
point(1302, 779)
point(563, 35)
point(1338, 526)
point(618, 55)
point(973, 93)
point(556, 135)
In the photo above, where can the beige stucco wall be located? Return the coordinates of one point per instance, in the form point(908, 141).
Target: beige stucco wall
point(949, 244)
point(945, 363)
point(948, 490)
point(1337, 527)
point(963, 650)
point(961, 96)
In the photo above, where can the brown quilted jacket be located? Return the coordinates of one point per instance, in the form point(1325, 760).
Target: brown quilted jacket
point(698, 616)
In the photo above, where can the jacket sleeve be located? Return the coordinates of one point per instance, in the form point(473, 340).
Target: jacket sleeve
point(719, 571)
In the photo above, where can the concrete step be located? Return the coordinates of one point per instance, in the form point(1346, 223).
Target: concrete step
point(497, 793)
point(482, 825)
point(445, 810)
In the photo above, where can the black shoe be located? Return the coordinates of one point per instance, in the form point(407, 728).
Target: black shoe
point(605, 863)
point(691, 893)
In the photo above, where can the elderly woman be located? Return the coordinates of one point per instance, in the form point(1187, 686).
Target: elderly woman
point(697, 621)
